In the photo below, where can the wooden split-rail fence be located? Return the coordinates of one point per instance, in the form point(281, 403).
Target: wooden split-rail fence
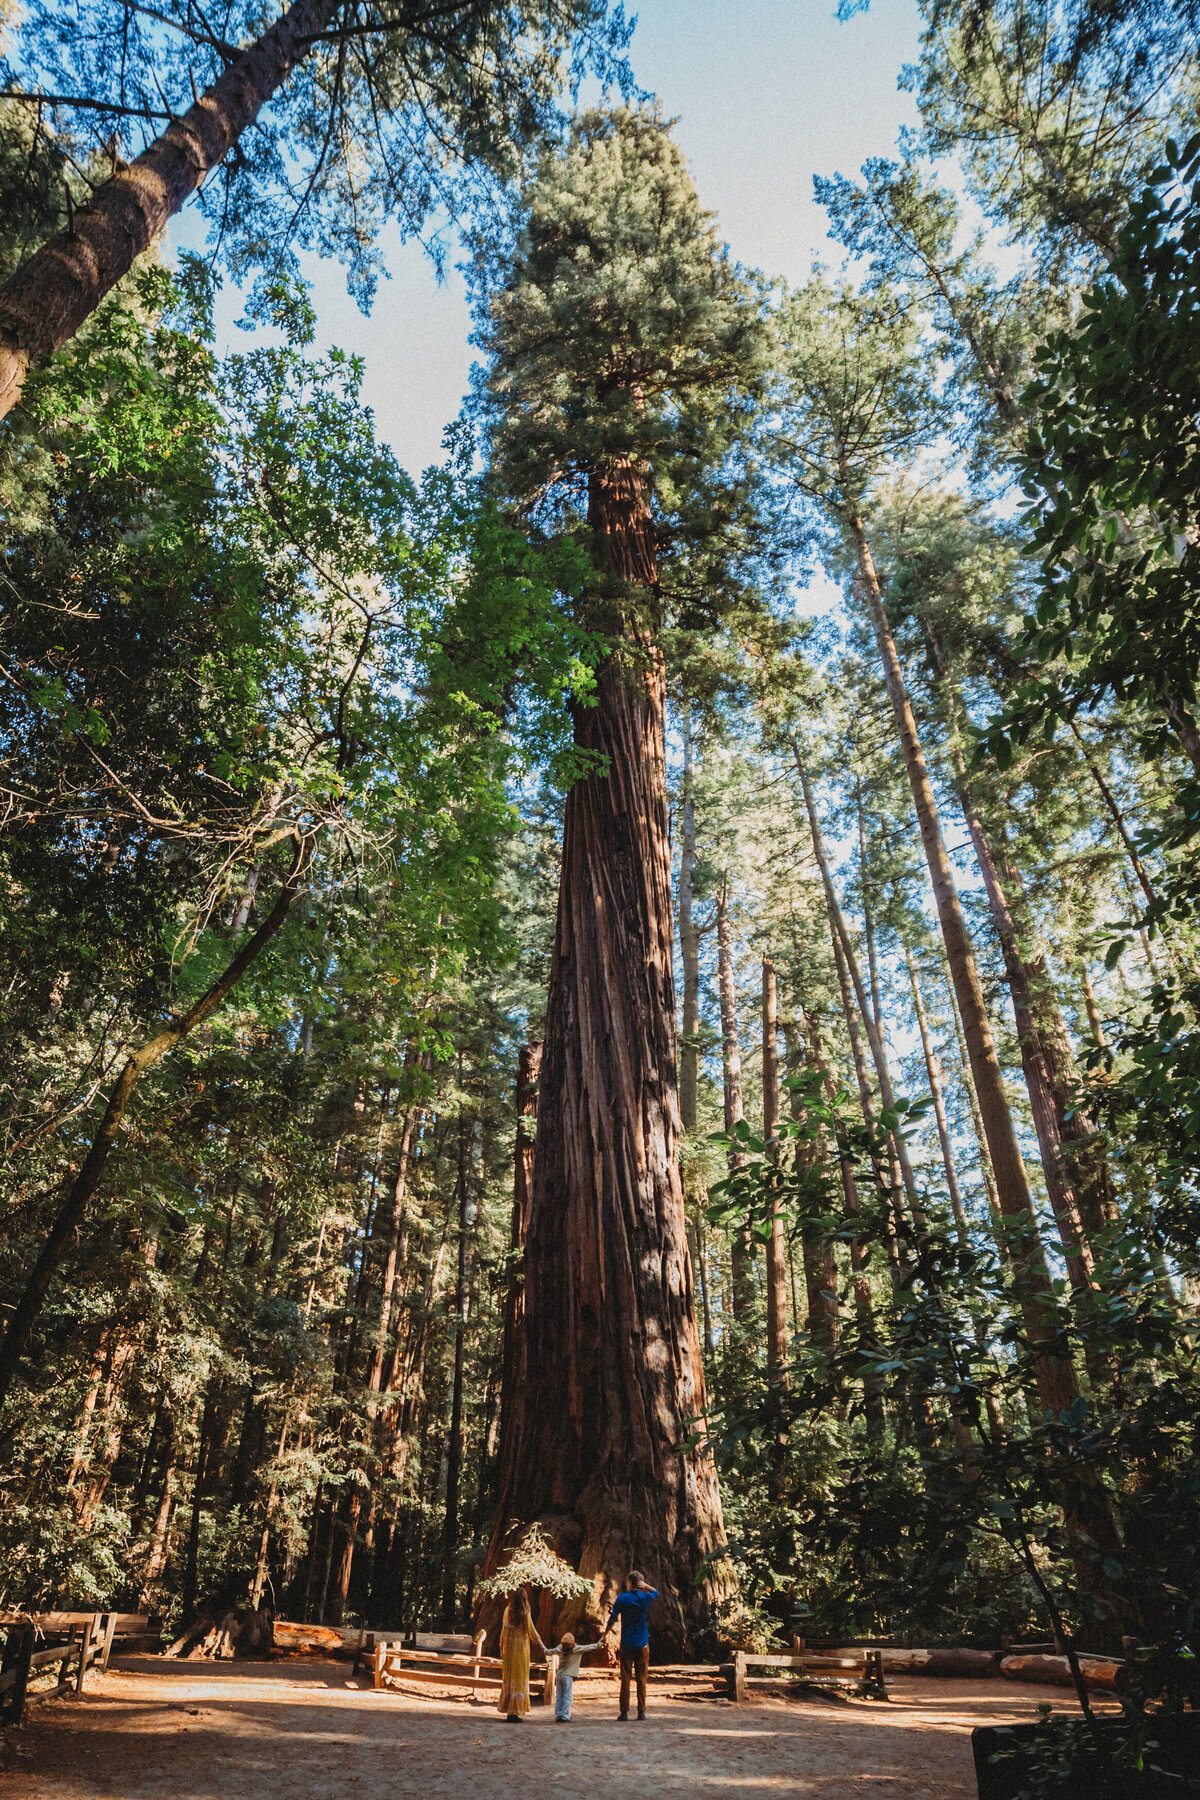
point(828, 1669)
point(74, 1641)
point(469, 1669)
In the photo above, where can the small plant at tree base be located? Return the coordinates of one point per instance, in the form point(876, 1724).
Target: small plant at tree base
point(534, 1564)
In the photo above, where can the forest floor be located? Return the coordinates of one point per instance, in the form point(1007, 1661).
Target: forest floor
point(305, 1730)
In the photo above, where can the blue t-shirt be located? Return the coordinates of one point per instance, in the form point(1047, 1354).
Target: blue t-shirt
point(632, 1608)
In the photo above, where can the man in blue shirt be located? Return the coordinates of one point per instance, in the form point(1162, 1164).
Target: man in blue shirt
point(631, 1608)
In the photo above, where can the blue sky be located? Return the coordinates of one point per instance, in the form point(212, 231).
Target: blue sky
point(767, 93)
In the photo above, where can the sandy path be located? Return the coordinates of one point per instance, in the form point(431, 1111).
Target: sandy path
point(150, 1730)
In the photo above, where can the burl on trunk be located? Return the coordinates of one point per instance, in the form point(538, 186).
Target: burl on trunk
point(607, 1376)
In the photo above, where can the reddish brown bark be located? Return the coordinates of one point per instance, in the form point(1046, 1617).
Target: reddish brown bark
point(51, 295)
point(609, 1378)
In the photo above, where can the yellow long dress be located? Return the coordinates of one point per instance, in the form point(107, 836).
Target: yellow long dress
point(515, 1645)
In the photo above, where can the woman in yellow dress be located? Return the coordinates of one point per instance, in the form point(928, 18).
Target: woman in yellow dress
point(517, 1635)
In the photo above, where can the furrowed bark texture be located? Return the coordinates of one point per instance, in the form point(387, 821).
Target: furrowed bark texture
point(51, 295)
point(609, 1377)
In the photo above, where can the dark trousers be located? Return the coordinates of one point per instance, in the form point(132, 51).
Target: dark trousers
point(634, 1663)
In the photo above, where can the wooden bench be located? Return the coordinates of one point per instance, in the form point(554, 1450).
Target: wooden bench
point(821, 1670)
point(84, 1639)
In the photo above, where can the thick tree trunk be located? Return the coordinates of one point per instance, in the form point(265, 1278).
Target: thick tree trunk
point(1058, 1386)
point(609, 1377)
point(776, 1246)
point(742, 1289)
point(51, 295)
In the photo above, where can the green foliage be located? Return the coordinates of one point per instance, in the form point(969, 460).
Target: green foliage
point(393, 121)
point(619, 332)
point(534, 1564)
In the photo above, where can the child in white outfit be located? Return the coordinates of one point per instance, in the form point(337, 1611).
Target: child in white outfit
point(570, 1655)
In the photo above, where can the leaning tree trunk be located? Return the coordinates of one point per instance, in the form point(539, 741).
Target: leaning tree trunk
point(609, 1379)
point(56, 289)
point(1058, 1386)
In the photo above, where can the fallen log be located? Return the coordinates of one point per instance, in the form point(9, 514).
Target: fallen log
point(1097, 1671)
point(953, 1660)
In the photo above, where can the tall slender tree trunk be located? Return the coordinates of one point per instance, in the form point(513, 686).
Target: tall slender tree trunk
point(689, 942)
point(777, 1350)
point(689, 1050)
point(609, 1375)
point(742, 1284)
point(470, 1185)
point(1058, 1386)
point(56, 289)
point(1073, 1163)
point(845, 945)
point(933, 1071)
point(529, 1070)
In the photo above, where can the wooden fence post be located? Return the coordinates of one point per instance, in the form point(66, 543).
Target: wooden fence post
point(85, 1649)
point(740, 1690)
point(480, 1639)
point(110, 1626)
point(17, 1653)
point(551, 1672)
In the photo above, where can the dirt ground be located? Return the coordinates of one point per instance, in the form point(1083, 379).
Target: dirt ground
point(305, 1730)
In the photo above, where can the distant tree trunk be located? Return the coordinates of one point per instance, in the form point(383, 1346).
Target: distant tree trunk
point(470, 1185)
point(1058, 1385)
point(844, 944)
point(1072, 1160)
point(934, 1073)
point(820, 1264)
point(529, 1070)
point(731, 1069)
point(57, 288)
point(868, 920)
point(689, 1052)
point(609, 1376)
point(1095, 1022)
point(689, 943)
point(191, 1570)
point(776, 1245)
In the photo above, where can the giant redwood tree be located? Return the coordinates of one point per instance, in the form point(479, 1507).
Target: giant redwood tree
point(621, 339)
